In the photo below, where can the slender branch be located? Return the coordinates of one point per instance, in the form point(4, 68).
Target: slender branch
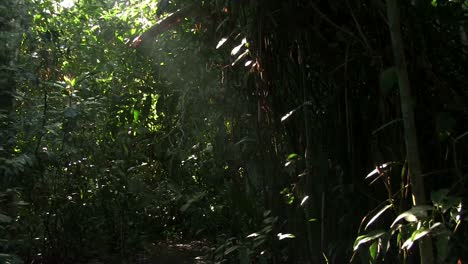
point(164, 25)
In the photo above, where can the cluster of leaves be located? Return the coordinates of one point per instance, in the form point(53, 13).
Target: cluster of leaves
point(439, 221)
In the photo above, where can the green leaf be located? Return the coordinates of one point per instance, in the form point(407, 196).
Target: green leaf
point(373, 250)
point(136, 115)
point(292, 156)
point(412, 215)
point(366, 238)
point(377, 215)
point(282, 236)
point(388, 79)
point(415, 236)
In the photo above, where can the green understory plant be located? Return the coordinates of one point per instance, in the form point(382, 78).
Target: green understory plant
point(440, 221)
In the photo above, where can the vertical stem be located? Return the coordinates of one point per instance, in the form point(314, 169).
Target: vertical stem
point(412, 152)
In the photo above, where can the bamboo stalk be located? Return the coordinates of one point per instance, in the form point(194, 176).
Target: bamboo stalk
point(412, 152)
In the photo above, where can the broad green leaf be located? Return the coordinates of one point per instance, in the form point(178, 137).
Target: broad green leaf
point(373, 250)
point(377, 215)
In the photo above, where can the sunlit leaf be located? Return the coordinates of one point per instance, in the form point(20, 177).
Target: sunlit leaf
point(282, 236)
point(236, 49)
point(286, 116)
point(304, 200)
point(221, 42)
point(292, 156)
point(253, 235)
point(415, 236)
point(240, 57)
point(377, 215)
point(366, 238)
point(412, 215)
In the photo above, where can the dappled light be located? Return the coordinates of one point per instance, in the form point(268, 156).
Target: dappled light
point(218, 132)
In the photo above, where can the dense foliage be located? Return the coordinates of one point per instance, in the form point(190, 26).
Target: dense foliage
point(250, 124)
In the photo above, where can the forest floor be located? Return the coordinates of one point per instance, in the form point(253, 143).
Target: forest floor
point(172, 252)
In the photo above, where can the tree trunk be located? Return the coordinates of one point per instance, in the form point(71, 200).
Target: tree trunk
point(412, 152)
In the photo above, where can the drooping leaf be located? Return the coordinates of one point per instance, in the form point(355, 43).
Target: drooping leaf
point(377, 215)
point(366, 238)
point(413, 215)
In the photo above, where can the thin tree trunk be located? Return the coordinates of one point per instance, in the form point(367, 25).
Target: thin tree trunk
point(412, 152)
